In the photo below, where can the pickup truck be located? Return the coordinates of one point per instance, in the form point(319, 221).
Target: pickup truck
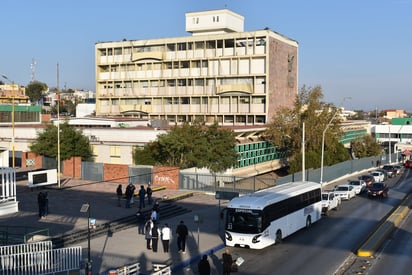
point(330, 201)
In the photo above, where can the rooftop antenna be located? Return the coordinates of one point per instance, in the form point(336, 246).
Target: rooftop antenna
point(33, 69)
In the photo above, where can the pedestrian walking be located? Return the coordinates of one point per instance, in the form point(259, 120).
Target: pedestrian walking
point(140, 222)
point(182, 232)
point(149, 193)
point(142, 195)
point(155, 236)
point(148, 233)
point(119, 193)
point(166, 234)
point(203, 266)
point(227, 262)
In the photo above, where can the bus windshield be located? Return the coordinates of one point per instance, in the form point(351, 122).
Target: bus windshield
point(249, 221)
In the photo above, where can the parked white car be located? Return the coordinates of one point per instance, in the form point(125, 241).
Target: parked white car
point(330, 201)
point(378, 176)
point(345, 191)
point(358, 185)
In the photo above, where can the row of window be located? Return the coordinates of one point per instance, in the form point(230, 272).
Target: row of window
point(258, 159)
point(183, 46)
point(19, 117)
point(183, 82)
point(290, 205)
point(392, 135)
point(188, 100)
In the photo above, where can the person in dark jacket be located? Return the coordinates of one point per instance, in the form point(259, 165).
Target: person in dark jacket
point(155, 236)
point(142, 195)
point(149, 193)
point(227, 262)
point(203, 266)
point(129, 194)
point(119, 194)
point(182, 233)
point(41, 201)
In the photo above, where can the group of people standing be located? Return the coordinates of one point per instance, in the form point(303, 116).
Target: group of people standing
point(130, 193)
point(153, 233)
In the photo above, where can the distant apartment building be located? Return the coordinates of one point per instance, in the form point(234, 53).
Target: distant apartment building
point(219, 73)
point(13, 92)
point(389, 114)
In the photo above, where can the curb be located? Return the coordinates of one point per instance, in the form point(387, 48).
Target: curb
point(374, 241)
point(178, 197)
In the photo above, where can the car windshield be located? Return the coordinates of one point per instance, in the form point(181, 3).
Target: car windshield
point(244, 222)
point(354, 183)
point(377, 185)
point(325, 196)
point(342, 188)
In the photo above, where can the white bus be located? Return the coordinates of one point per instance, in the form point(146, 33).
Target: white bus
point(267, 216)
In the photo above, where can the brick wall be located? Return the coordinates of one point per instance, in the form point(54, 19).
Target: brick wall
point(31, 160)
point(116, 173)
point(166, 176)
point(72, 167)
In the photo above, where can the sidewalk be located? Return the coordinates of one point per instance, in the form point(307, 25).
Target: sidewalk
point(127, 246)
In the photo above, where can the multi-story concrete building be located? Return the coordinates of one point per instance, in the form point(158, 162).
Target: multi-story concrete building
point(10, 93)
point(219, 73)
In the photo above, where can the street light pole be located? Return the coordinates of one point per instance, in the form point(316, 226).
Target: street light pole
point(86, 208)
point(323, 142)
point(58, 130)
point(390, 145)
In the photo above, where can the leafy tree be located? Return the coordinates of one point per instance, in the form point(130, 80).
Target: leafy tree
point(72, 143)
point(366, 147)
point(35, 90)
point(188, 146)
point(286, 128)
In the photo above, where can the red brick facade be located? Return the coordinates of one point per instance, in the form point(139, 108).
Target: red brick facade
point(72, 168)
point(166, 176)
point(119, 173)
point(31, 160)
point(116, 173)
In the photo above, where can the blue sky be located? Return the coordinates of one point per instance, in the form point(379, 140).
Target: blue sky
point(351, 48)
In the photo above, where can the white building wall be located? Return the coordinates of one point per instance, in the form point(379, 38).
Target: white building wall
point(214, 21)
point(100, 138)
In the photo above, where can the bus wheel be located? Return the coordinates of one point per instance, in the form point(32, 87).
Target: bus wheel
point(308, 222)
point(278, 237)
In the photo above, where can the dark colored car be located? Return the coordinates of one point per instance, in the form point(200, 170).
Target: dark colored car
point(378, 189)
point(408, 163)
point(390, 170)
point(368, 179)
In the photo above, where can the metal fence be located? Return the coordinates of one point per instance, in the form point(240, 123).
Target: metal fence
point(39, 258)
point(212, 183)
point(140, 174)
point(12, 235)
point(92, 171)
